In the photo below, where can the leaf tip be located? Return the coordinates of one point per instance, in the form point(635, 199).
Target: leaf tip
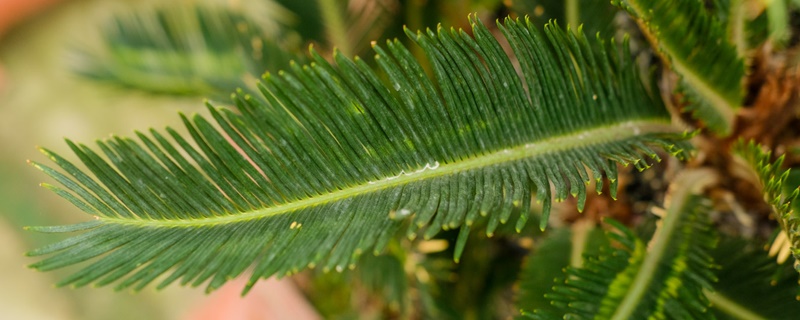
point(543, 222)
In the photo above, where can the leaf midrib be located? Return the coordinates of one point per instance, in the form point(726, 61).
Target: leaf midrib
point(594, 136)
point(731, 307)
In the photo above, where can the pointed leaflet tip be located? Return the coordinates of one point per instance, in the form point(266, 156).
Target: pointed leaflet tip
point(411, 34)
point(461, 242)
point(543, 222)
point(34, 164)
point(313, 51)
point(44, 150)
point(523, 219)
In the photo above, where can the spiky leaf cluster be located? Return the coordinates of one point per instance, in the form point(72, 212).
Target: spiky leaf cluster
point(695, 45)
point(334, 159)
point(772, 177)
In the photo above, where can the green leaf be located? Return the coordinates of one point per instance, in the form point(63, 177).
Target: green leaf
point(660, 280)
point(186, 50)
point(751, 285)
point(694, 44)
point(333, 161)
point(772, 178)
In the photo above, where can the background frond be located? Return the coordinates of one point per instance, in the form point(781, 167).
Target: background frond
point(385, 276)
point(751, 285)
point(187, 50)
point(695, 46)
point(350, 25)
point(379, 284)
point(332, 161)
point(631, 280)
point(745, 23)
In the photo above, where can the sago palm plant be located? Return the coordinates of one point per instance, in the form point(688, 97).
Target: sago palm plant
point(458, 138)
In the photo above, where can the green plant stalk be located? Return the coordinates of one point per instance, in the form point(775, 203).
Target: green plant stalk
point(730, 307)
point(580, 235)
point(736, 22)
point(572, 13)
point(336, 27)
point(778, 16)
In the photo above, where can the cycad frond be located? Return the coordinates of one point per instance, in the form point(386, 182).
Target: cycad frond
point(695, 45)
point(772, 178)
point(311, 174)
point(185, 50)
point(751, 285)
point(661, 280)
